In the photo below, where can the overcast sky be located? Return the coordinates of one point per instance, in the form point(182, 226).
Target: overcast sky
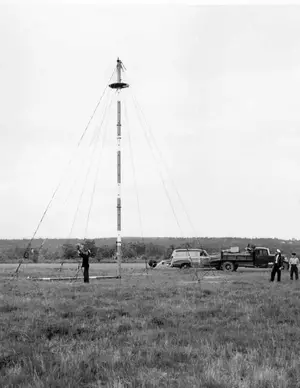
point(220, 90)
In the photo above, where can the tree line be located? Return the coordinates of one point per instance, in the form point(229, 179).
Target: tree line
point(68, 252)
point(132, 249)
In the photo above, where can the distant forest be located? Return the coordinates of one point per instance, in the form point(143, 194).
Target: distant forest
point(133, 248)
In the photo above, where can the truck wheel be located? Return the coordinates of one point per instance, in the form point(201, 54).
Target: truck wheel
point(228, 266)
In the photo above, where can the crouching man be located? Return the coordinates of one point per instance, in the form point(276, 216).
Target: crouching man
point(85, 255)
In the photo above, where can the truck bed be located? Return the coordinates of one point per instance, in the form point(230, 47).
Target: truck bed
point(237, 256)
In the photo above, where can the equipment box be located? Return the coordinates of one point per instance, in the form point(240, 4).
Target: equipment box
point(234, 250)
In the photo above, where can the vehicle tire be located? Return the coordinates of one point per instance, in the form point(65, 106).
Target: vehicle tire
point(152, 263)
point(185, 266)
point(228, 266)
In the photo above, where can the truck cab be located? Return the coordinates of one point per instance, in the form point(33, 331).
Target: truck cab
point(262, 257)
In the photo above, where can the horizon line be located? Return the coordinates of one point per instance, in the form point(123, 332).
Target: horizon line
point(151, 237)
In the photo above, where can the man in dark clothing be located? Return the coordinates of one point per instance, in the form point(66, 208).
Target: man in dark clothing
point(277, 266)
point(85, 255)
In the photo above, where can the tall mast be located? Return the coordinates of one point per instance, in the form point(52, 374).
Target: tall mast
point(118, 86)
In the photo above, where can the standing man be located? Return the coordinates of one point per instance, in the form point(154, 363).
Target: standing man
point(277, 266)
point(85, 255)
point(294, 262)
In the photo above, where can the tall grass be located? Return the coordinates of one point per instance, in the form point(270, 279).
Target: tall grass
point(155, 330)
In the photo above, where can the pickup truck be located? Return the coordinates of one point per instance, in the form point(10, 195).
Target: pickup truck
point(253, 257)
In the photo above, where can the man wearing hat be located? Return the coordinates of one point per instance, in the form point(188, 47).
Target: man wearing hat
point(277, 266)
point(294, 262)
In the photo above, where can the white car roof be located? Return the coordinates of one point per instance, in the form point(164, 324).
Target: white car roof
point(185, 249)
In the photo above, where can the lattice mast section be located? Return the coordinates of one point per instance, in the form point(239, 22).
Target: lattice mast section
point(118, 86)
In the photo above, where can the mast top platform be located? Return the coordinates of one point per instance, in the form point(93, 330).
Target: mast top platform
point(119, 84)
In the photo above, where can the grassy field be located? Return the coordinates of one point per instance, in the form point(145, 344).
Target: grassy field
point(68, 269)
point(161, 329)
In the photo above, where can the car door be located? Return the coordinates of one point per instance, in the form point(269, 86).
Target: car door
point(204, 258)
point(193, 258)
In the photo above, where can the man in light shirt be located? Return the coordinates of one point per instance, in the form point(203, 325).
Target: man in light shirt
point(294, 262)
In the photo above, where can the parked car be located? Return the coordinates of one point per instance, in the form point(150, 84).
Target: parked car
point(186, 258)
